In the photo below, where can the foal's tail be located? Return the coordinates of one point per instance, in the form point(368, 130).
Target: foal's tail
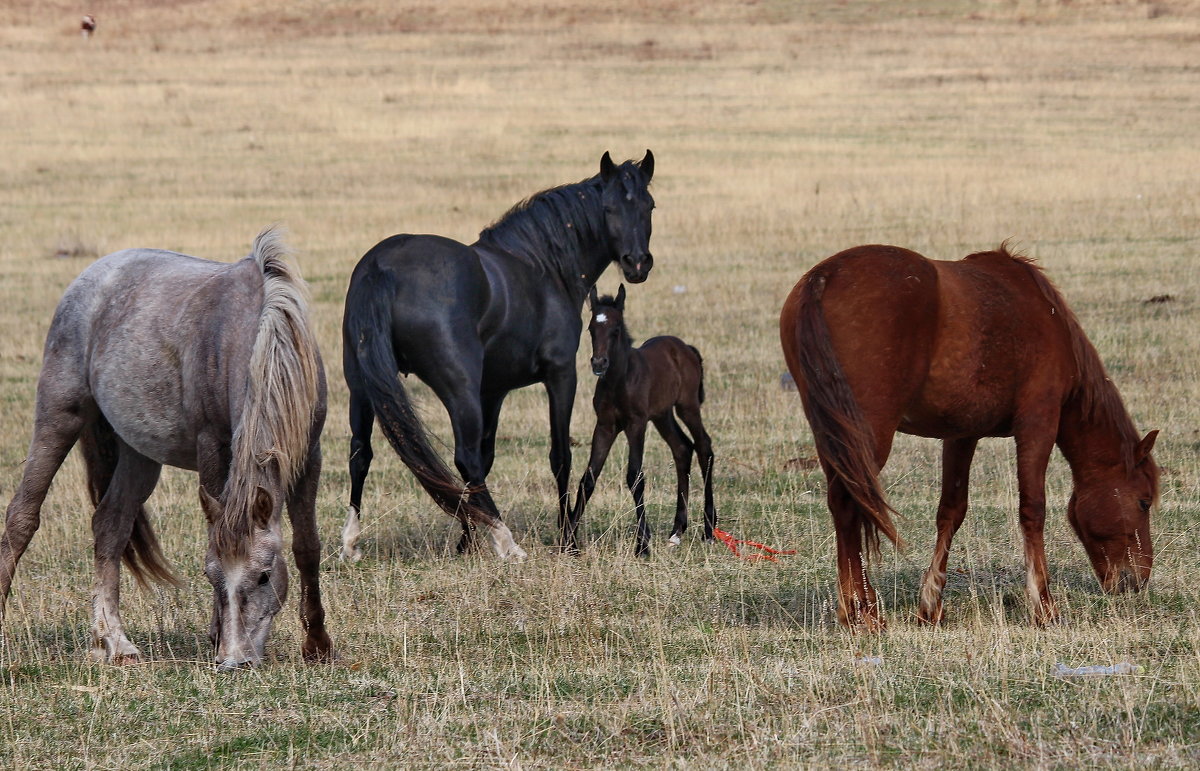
point(844, 439)
point(367, 333)
point(700, 362)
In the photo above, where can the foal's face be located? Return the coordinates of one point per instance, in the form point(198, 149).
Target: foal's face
point(1111, 516)
point(627, 207)
point(605, 331)
point(607, 328)
point(248, 589)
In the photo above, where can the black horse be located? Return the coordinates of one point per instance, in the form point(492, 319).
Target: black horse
point(474, 322)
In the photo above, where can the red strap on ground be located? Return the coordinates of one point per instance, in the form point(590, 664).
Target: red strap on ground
point(768, 553)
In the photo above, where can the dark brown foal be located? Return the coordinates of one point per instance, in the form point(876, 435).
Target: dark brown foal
point(653, 383)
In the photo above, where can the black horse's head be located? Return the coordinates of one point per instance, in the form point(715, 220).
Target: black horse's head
point(627, 206)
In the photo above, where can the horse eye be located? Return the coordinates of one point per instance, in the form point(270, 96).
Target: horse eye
point(1144, 504)
point(265, 577)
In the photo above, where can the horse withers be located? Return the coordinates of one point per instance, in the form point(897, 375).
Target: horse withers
point(662, 378)
point(880, 339)
point(475, 322)
point(156, 358)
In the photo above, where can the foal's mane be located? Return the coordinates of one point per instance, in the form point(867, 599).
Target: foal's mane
point(1100, 401)
point(281, 393)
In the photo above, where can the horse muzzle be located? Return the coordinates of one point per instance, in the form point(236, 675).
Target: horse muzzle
point(599, 366)
point(636, 269)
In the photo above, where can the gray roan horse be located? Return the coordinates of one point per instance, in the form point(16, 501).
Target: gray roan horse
point(159, 358)
point(474, 322)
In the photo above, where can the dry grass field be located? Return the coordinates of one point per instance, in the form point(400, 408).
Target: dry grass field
point(783, 132)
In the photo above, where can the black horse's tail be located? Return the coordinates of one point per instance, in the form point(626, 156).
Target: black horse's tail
point(699, 361)
point(367, 328)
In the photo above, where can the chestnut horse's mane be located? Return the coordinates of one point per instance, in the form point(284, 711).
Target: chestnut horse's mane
point(1099, 399)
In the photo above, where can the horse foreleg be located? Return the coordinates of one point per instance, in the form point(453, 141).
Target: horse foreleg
point(1033, 456)
point(602, 441)
point(560, 388)
point(681, 451)
point(636, 481)
point(133, 480)
point(952, 508)
point(306, 549)
point(54, 433)
point(362, 422)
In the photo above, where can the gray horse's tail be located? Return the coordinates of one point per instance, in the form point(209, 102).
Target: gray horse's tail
point(143, 556)
point(367, 337)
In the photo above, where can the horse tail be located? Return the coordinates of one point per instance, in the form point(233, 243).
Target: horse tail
point(844, 439)
point(282, 394)
point(143, 556)
point(700, 365)
point(367, 326)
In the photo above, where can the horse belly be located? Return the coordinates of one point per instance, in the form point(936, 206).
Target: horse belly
point(145, 408)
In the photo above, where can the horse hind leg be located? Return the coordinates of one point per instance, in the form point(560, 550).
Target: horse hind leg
point(57, 426)
point(952, 508)
point(362, 422)
point(681, 451)
point(690, 415)
point(131, 480)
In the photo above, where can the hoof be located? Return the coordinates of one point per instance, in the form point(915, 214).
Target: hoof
point(351, 556)
point(675, 540)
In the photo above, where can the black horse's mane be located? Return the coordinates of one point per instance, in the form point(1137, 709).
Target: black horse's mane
point(553, 228)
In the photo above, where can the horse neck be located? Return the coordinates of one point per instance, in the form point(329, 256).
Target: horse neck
point(561, 229)
point(1095, 434)
point(621, 359)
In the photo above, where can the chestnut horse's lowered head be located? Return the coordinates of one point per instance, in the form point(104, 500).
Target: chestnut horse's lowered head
point(1110, 512)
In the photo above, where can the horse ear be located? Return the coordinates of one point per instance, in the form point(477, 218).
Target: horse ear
point(210, 505)
point(593, 298)
point(1145, 446)
point(620, 305)
point(607, 167)
point(647, 165)
point(262, 508)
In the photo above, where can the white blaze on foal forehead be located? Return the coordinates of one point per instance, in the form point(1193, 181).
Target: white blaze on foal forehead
point(601, 317)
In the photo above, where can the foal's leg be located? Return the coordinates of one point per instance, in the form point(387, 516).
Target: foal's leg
point(133, 480)
point(362, 422)
point(636, 480)
point(690, 415)
point(306, 548)
point(956, 467)
point(1035, 441)
point(602, 441)
point(57, 425)
point(681, 450)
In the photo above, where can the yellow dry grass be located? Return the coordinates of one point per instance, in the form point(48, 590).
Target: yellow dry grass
point(783, 133)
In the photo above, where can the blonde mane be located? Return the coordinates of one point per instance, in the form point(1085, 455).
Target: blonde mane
point(281, 396)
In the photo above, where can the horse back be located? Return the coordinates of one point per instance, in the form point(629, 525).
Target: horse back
point(673, 371)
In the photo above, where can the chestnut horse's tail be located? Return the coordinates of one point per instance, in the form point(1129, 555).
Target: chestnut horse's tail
point(844, 439)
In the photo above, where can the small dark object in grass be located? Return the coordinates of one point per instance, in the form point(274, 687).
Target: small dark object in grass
point(1159, 298)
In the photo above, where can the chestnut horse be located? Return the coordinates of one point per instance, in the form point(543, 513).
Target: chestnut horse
point(880, 339)
point(637, 386)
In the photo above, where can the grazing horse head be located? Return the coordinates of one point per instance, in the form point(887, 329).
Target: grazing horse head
point(627, 207)
point(1110, 512)
point(607, 330)
point(250, 583)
